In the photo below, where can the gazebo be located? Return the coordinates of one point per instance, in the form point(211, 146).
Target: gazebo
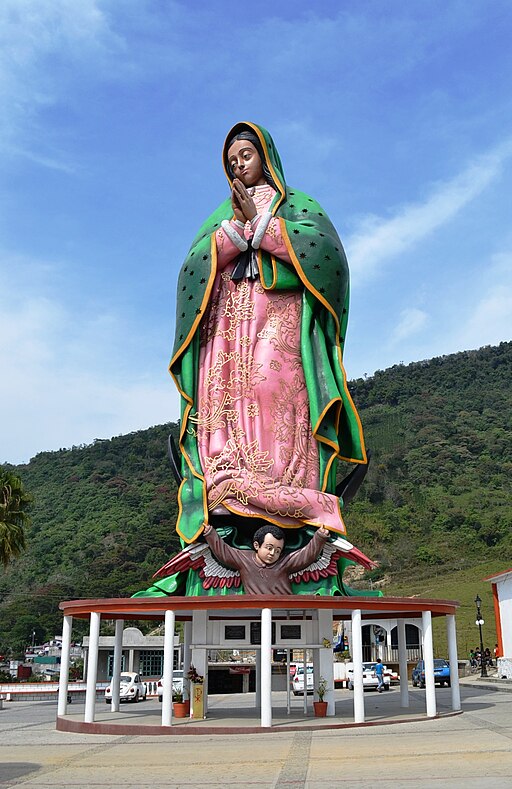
point(261, 623)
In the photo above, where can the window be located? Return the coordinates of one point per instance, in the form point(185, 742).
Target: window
point(152, 663)
point(110, 664)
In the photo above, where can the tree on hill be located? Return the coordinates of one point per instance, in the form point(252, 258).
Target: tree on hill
point(14, 501)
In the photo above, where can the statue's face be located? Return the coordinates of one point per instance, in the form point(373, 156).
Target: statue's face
point(270, 549)
point(245, 162)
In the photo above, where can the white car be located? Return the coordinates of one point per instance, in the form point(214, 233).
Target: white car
point(131, 688)
point(298, 681)
point(369, 677)
point(177, 683)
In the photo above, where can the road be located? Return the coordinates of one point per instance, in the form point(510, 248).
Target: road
point(470, 750)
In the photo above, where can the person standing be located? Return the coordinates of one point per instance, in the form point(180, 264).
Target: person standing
point(379, 671)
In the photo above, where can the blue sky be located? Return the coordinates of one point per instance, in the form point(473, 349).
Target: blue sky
point(396, 116)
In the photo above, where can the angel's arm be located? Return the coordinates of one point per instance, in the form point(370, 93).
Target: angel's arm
point(300, 559)
point(220, 549)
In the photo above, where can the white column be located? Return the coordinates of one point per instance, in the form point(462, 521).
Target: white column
point(357, 657)
point(116, 667)
point(388, 643)
point(92, 667)
point(266, 667)
point(326, 661)
point(200, 656)
point(315, 630)
point(86, 662)
point(428, 660)
point(305, 664)
point(316, 671)
point(169, 622)
point(453, 659)
point(187, 640)
point(257, 695)
point(402, 664)
point(64, 665)
point(288, 689)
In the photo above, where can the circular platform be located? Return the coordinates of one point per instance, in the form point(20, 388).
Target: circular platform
point(279, 608)
point(226, 715)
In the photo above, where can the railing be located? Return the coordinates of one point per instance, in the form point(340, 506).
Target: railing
point(390, 654)
point(151, 687)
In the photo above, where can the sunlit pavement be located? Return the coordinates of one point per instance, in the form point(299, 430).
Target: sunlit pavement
point(468, 750)
point(238, 711)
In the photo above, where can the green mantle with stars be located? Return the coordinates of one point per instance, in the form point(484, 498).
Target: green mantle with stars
point(319, 268)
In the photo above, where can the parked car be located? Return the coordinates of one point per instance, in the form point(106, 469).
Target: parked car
point(298, 681)
point(441, 673)
point(394, 676)
point(177, 684)
point(131, 688)
point(369, 677)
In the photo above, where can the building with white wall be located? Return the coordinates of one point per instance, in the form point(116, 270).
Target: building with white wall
point(140, 653)
point(502, 596)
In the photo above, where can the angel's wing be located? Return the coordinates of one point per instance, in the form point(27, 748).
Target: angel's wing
point(198, 556)
point(327, 562)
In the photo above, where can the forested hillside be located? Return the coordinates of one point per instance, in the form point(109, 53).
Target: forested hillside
point(438, 490)
point(436, 500)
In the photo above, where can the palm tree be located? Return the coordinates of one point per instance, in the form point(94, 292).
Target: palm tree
point(14, 501)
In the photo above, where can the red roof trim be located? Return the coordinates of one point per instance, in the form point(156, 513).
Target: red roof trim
point(151, 607)
point(497, 575)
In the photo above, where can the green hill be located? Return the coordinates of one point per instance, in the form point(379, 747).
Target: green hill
point(435, 509)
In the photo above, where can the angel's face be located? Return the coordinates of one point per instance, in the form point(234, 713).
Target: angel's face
point(270, 549)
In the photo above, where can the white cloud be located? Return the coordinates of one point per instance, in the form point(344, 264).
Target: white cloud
point(480, 314)
point(50, 407)
point(412, 320)
point(66, 378)
point(42, 42)
point(378, 239)
point(489, 318)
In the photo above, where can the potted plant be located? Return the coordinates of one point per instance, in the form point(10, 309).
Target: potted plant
point(181, 708)
point(320, 706)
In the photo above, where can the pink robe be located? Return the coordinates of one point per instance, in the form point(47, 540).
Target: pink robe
point(253, 426)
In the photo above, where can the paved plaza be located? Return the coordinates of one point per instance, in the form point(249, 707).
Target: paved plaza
point(469, 750)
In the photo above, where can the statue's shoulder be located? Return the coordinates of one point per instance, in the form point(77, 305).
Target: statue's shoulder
point(210, 225)
point(301, 205)
point(298, 194)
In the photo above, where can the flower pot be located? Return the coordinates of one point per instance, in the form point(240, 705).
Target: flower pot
point(320, 708)
point(181, 709)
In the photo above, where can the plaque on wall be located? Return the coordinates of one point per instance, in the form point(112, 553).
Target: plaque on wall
point(291, 632)
point(234, 633)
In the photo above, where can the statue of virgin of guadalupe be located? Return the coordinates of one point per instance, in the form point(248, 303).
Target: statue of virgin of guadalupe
point(266, 414)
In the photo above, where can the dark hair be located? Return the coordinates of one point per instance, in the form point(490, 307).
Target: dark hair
point(251, 137)
point(262, 532)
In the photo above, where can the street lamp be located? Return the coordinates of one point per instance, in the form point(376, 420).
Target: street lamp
point(480, 622)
